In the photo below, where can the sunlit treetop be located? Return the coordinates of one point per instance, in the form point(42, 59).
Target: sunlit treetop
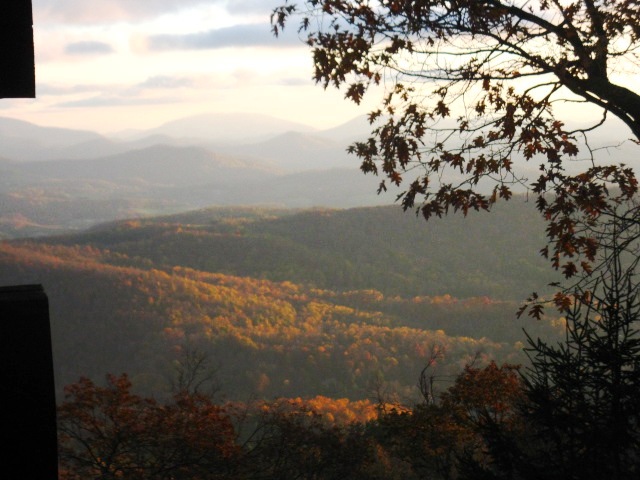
point(471, 86)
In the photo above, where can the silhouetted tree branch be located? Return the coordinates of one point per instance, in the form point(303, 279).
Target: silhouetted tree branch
point(471, 89)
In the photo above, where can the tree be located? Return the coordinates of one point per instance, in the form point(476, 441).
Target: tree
point(292, 440)
point(194, 374)
point(109, 432)
point(584, 393)
point(578, 411)
point(447, 437)
point(472, 86)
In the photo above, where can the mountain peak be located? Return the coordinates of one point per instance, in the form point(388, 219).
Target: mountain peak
point(229, 127)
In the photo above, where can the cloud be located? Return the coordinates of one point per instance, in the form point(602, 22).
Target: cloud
point(148, 92)
point(249, 35)
point(55, 89)
point(252, 6)
point(294, 82)
point(87, 12)
point(157, 83)
point(116, 94)
point(107, 11)
point(88, 48)
point(165, 81)
point(114, 101)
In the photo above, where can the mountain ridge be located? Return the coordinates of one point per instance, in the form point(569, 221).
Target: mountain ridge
point(130, 296)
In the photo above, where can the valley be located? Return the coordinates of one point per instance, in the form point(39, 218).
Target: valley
point(262, 250)
point(288, 303)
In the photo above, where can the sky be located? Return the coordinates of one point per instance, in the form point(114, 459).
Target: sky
point(112, 65)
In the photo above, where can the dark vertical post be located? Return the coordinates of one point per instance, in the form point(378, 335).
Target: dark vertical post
point(17, 67)
point(27, 392)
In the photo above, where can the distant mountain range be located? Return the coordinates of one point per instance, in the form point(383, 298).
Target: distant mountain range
point(23, 141)
point(309, 302)
point(55, 179)
point(227, 128)
point(287, 303)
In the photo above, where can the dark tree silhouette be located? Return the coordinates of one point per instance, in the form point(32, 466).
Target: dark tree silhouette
point(584, 393)
point(580, 404)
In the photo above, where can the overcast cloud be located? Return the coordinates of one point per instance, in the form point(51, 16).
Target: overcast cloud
point(251, 6)
point(50, 89)
point(88, 48)
point(80, 12)
point(115, 101)
point(251, 35)
point(166, 81)
point(106, 11)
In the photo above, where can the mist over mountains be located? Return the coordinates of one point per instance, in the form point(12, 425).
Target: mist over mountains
point(55, 179)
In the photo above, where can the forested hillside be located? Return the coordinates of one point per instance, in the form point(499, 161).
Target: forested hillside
point(284, 303)
point(361, 248)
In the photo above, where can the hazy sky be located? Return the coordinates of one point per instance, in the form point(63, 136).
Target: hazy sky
point(114, 64)
point(109, 65)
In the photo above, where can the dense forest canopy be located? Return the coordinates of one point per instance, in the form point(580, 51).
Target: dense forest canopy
point(351, 249)
point(282, 301)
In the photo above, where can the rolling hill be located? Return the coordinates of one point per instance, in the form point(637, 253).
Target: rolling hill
point(491, 254)
point(286, 303)
point(54, 180)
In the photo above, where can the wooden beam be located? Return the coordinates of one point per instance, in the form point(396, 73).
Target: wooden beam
point(17, 62)
point(27, 392)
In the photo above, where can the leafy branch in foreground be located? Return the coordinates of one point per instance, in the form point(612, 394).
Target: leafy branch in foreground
point(472, 88)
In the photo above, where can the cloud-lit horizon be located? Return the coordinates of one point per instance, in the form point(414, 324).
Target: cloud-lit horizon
point(108, 65)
